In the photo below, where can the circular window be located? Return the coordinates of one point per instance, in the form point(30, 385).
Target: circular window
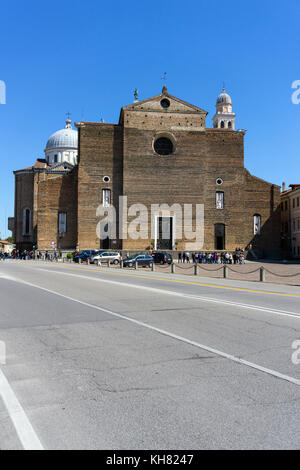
point(165, 103)
point(219, 181)
point(163, 146)
point(106, 179)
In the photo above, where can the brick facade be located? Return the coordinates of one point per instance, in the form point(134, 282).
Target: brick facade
point(125, 153)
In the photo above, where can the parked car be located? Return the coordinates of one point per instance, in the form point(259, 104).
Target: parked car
point(97, 252)
point(162, 257)
point(106, 256)
point(83, 255)
point(142, 260)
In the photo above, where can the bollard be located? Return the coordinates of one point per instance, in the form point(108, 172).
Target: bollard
point(195, 269)
point(121, 264)
point(152, 266)
point(262, 274)
point(225, 271)
point(79, 260)
point(108, 263)
point(173, 268)
point(88, 261)
point(136, 265)
point(98, 262)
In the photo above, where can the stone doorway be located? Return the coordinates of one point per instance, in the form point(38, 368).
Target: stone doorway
point(219, 237)
point(164, 233)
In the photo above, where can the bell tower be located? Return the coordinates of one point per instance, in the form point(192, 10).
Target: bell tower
point(224, 117)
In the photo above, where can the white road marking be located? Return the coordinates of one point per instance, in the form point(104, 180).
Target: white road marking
point(231, 357)
point(180, 294)
point(25, 431)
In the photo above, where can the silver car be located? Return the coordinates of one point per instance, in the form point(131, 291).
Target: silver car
point(113, 257)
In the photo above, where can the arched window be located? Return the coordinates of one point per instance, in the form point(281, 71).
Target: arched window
point(219, 200)
point(229, 125)
point(256, 224)
point(222, 124)
point(106, 197)
point(26, 221)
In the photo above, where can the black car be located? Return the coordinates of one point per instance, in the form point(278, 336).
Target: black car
point(142, 260)
point(162, 257)
point(83, 255)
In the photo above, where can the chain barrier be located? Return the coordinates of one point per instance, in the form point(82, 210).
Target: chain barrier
point(281, 275)
point(182, 267)
point(241, 272)
point(210, 270)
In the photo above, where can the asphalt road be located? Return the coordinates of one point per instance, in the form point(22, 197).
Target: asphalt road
point(111, 359)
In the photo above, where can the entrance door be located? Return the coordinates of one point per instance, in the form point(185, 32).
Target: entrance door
point(219, 237)
point(105, 243)
point(164, 235)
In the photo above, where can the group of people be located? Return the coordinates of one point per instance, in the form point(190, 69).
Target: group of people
point(25, 254)
point(237, 257)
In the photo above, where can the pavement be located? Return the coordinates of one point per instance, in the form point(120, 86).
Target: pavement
point(100, 358)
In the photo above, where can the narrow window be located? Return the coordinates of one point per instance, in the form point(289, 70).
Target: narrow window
point(106, 197)
point(55, 158)
point(219, 200)
point(294, 203)
point(26, 221)
point(62, 222)
point(229, 125)
point(222, 124)
point(256, 224)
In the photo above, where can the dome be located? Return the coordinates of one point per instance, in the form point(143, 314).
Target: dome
point(65, 138)
point(224, 98)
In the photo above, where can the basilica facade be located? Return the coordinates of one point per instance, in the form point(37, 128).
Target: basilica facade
point(161, 152)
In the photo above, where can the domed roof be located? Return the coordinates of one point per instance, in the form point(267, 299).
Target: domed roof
point(224, 98)
point(65, 138)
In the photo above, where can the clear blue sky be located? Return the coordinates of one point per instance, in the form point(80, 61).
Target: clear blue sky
point(88, 57)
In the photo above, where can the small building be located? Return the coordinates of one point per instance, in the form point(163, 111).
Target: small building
point(290, 221)
point(6, 247)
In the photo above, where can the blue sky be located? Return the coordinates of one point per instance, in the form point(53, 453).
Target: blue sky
point(88, 57)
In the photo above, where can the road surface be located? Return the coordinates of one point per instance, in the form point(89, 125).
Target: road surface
point(100, 358)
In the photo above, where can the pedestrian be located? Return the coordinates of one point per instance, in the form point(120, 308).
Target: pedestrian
point(179, 257)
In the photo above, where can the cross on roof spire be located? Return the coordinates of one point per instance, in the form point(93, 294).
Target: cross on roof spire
point(164, 78)
point(68, 120)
